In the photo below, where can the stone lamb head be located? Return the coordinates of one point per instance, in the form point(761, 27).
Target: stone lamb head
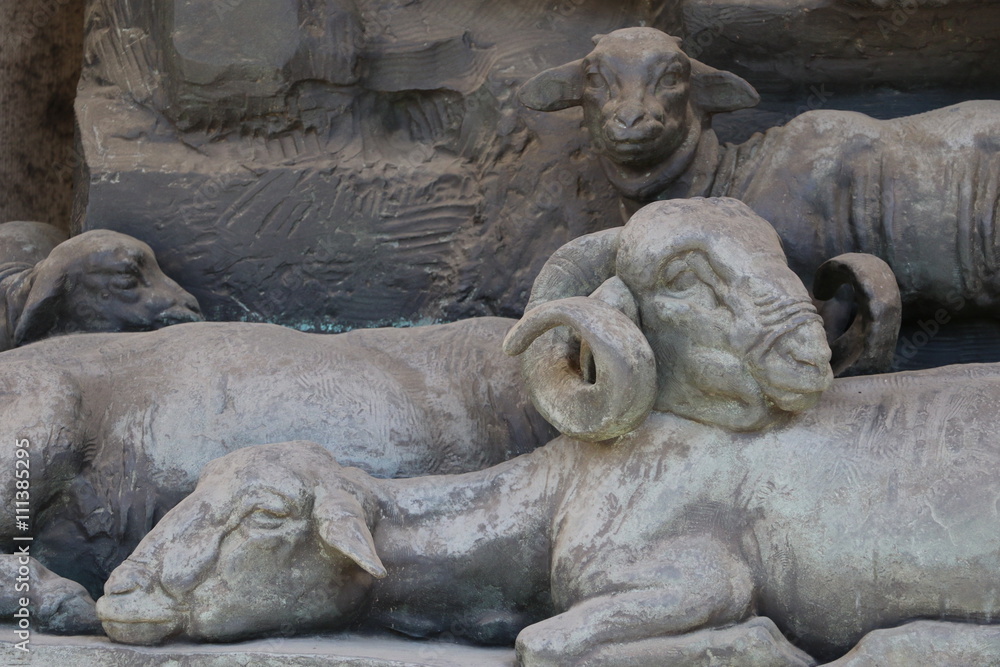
point(690, 308)
point(272, 513)
point(98, 281)
point(645, 104)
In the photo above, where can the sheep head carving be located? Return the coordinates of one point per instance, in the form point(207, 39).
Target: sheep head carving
point(262, 513)
point(690, 308)
point(645, 104)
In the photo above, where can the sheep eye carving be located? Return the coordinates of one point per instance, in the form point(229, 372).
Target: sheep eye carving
point(596, 80)
point(124, 280)
point(265, 519)
point(268, 514)
point(690, 278)
point(668, 80)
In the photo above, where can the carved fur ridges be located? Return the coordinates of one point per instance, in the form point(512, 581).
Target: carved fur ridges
point(670, 543)
point(120, 425)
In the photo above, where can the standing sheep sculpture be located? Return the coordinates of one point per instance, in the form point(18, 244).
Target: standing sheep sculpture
point(922, 192)
point(694, 535)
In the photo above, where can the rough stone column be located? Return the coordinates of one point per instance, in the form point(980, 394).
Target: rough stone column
point(41, 47)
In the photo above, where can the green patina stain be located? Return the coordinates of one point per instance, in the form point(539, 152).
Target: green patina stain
point(328, 327)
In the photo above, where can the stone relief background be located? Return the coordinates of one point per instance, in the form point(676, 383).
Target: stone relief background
point(336, 164)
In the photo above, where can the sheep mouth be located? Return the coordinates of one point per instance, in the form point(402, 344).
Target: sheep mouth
point(796, 372)
point(168, 617)
point(142, 632)
point(177, 316)
point(635, 144)
point(125, 622)
point(636, 151)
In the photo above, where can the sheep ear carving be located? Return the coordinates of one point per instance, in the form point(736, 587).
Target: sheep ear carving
point(716, 91)
point(554, 89)
point(340, 522)
point(41, 310)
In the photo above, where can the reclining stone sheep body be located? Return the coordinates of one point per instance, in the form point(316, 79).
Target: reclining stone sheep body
point(669, 543)
point(921, 193)
point(98, 281)
point(121, 425)
point(665, 536)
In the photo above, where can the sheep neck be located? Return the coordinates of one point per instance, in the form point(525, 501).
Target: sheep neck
point(687, 172)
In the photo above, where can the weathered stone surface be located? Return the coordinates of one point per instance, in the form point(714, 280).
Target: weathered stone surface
point(704, 529)
point(748, 359)
point(781, 44)
point(374, 166)
point(326, 651)
point(830, 182)
point(26, 242)
point(120, 425)
point(928, 644)
point(413, 192)
point(41, 45)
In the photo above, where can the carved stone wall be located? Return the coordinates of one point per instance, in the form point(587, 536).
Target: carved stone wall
point(326, 164)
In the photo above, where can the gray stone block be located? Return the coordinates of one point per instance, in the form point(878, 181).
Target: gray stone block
point(329, 651)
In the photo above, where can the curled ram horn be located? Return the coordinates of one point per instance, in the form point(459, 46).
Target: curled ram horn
point(869, 343)
point(569, 379)
point(624, 368)
point(578, 268)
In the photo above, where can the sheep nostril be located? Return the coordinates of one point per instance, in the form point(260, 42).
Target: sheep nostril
point(192, 305)
point(629, 117)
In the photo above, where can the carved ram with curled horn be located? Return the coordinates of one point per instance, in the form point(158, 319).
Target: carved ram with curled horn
point(693, 314)
point(684, 542)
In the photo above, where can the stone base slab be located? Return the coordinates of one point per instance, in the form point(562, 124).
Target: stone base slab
point(341, 650)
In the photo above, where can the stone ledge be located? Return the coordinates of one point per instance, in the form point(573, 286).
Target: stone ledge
point(341, 650)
